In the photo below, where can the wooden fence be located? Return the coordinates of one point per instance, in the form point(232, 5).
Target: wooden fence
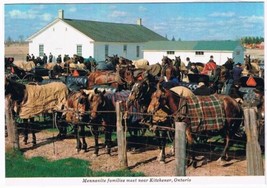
point(253, 152)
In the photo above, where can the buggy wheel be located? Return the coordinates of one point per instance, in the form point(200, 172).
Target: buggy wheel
point(137, 131)
point(63, 127)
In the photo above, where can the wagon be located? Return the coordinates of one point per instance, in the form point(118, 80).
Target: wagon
point(247, 85)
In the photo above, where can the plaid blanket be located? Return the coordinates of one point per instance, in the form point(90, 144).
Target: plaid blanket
point(205, 113)
point(123, 96)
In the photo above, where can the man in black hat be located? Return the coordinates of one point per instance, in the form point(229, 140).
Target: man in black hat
point(202, 89)
point(259, 96)
point(237, 72)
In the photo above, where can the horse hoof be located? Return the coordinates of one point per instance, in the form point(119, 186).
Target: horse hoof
point(162, 161)
point(194, 164)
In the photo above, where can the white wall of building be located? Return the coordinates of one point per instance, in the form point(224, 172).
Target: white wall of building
point(60, 38)
point(117, 49)
point(219, 57)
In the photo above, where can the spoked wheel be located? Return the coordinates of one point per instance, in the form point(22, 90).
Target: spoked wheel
point(59, 123)
point(137, 132)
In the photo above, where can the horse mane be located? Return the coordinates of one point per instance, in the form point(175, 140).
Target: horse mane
point(15, 89)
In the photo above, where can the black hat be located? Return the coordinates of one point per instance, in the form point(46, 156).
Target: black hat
point(201, 79)
point(259, 89)
point(238, 64)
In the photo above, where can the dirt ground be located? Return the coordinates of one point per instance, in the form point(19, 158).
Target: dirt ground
point(144, 160)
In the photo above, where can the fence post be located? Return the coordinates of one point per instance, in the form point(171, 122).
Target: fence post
point(12, 130)
point(253, 151)
point(180, 149)
point(121, 138)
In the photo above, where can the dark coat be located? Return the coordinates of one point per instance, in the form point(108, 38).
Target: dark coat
point(237, 71)
point(203, 90)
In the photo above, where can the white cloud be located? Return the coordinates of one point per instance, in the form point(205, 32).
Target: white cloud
point(222, 14)
point(17, 14)
point(46, 17)
point(117, 13)
point(142, 8)
point(73, 9)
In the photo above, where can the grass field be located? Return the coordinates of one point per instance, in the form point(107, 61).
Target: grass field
point(69, 167)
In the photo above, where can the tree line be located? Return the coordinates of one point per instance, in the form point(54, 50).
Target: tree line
point(252, 40)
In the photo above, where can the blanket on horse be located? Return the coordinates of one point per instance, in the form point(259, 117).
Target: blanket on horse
point(26, 66)
point(205, 113)
point(43, 99)
point(123, 97)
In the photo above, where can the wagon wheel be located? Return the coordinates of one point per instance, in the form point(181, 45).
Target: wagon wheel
point(69, 127)
point(137, 129)
point(171, 134)
point(29, 77)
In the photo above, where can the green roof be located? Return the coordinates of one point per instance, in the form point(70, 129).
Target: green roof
point(114, 32)
point(225, 45)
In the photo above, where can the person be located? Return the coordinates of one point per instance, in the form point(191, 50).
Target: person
point(66, 58)
point(237, 72)
point(189, 63)
point(59, 59)
point(259, 96)
point(28, 57)
point(259, 103)
point(45, 59)
point(234, 92)
point(50, 58)
point(202, 89)
point(32, 58)
point(209, 67)
point(194, 68)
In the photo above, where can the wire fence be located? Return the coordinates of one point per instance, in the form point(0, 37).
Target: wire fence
point(207, 147)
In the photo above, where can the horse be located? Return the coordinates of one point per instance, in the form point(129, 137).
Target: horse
point(228, 117)
point(140, 64)
point(32, 100)
point(8, 62)
point(75, 112)
point(102, 111)
point(180, 67)
point(112, 62)
point(168, 70)
point(250, 68)
point(102, 78)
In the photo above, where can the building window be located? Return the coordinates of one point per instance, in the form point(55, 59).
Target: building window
point(137, 51)
point(238, 52)
point(106, 50)
point(41, 49)
point(170, 52)
point(79, 50)
point(199, 53)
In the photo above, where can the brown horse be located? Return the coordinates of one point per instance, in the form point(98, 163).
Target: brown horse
point(102, 112)
point(75, 113)
point(178, 107)
point(168, 70)
point(251, 67)
point(102, 78)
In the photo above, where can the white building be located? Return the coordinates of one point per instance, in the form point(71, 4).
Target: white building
point(197, 51)
point(91, 38)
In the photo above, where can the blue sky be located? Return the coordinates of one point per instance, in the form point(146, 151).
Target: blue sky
point(181, 20)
